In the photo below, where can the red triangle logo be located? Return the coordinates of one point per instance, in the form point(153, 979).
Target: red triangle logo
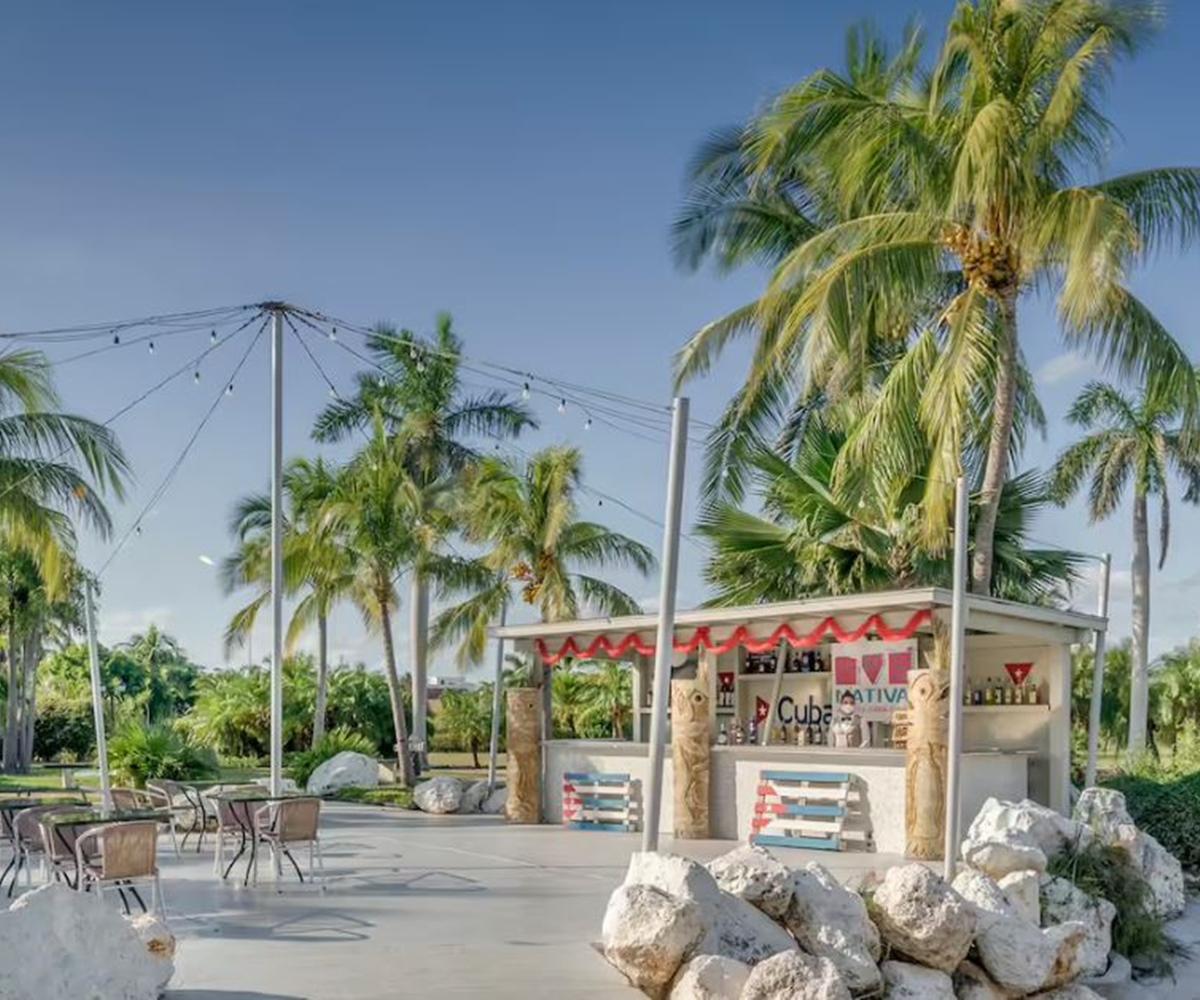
point(1018, 672)
point(872, 665)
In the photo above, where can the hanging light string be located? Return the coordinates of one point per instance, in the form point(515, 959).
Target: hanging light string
point(190, 365)
point(167, 323)
point(164, 485)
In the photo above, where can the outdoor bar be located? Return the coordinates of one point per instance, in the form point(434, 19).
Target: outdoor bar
point(772, 697)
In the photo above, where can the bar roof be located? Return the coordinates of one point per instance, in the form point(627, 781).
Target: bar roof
point(988, 612)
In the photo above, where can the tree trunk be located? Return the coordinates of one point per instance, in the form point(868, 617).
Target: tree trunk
point(475, 754)
point(11, 737)
point(996, 470)
point(322, 679)
point(1139, 676)
point(31, 652)
point(418, 610)
point(404, 762)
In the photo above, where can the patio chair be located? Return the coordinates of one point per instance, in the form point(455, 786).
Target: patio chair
point(291, 823)
point(29, 842)
point(119, 856)
point(229, 825)
point(186, 808)
point(125, 799)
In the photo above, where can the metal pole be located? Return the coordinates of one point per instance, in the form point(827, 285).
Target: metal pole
point(1098, 673)
point(97, 698)
point(958, 630)
point(664, 642)
point(276, 551)
point(497, 704)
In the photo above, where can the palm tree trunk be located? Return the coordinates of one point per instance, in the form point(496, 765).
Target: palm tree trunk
point(11, 737)
point(322, 679)
point(32, 655)
point(996, 469)
point(418, 610)
point(1139, 676)
point(404, 762)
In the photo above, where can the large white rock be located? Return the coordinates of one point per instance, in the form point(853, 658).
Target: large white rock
point(286, 785)
point(439, 795)
point(59, 943)
point(1017, 954)
point(494, 804)
point(752, 874)
point(1017, 836)
point(344, 770)
point(733, 928)
point(921, 917)
point(647, 934)
point(1103, 810)
point(906, 981)
point(1062, 901)
point(473, 797)
point(794, 975)
point(710, 977)
point(831, 921)
point(1072, 991)
point(1023, 890)
point(972, 983)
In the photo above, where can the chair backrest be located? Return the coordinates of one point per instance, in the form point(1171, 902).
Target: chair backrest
point(128, 850)
point(296, 819)
point(125, 798)
point(165, 787)
point(28, 825)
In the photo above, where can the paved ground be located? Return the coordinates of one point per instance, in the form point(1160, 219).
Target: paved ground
point(417, 906)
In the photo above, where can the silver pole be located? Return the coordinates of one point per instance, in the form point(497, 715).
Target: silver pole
point(497, 704)
point(97, 698)
point(958, 635)
point(276, 551)
point(1097, 673)
point(664, 642)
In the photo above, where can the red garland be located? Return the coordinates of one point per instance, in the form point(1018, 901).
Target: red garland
point(741, 637)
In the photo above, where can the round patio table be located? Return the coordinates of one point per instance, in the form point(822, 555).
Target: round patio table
point(244, 804)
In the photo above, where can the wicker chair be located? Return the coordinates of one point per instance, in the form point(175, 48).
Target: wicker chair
point(186, 809)
point(118, 856)
point(29, 842)
point(291, 823)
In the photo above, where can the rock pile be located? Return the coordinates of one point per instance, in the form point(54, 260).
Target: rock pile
point(444, 794)
point(747, 927)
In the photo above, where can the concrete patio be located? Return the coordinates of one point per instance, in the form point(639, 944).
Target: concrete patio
point(416, 906)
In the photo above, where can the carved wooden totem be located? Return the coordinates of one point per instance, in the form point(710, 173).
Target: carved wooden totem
point(925, 761)
point(690, 740)
point(524, 768)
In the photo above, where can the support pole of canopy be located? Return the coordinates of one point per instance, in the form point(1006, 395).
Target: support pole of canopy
point(97, 697)
point(276, 551)
point(664, 643)
point(958, 635)
point(497, 704)
point(1097, 673)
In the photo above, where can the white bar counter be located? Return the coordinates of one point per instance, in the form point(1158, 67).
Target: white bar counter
point(735, 778)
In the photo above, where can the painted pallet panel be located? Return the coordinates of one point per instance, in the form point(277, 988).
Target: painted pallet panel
point(801, 809)
point(598, 801)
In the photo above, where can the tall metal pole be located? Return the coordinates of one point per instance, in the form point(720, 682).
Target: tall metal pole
point(276, 551)
point(497, 704)
point(1098, 673)
point(664, 642)
point(97, 697)
point(958, 637)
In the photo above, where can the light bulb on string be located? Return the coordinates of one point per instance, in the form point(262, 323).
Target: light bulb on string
point(332, 393)
point(196, 377)
point(587, 424)
point(412, 352)
point(420, 367)
point(116, 339)
point(562, 406)
point(229, 389)
point(213, 338)
point(333, 333)
point(137, 530)
point(151, 346)
point(525, 391)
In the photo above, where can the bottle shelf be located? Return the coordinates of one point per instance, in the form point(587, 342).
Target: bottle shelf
point(999, 709)
point(771, 677)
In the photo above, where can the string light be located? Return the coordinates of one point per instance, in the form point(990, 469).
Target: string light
point(420, 367)
point(229, 389)
point(116, 339)
point(587, 424)
point(562, 406)
point(332, 393)
point(151, 346)
point(138, 530)
point(213, 338)
point(333, 333)
point(525, 391)
point(196, 377)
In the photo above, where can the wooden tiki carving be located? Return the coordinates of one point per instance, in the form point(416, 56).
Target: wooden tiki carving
point(925, 764)
point(524, 768)
point(690, 758)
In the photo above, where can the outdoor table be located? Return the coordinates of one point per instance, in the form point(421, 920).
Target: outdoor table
point(27, 790)
point(243, 804)
point(66, 827)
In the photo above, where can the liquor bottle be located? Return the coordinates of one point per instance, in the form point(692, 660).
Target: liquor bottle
point(818, 662)
point(722, 736)
point(966, 694)
point(998, 695)
point(808, 735)
point(752, 731)
point(1009, 694)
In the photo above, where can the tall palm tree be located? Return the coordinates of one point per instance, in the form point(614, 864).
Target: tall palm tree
point(54, 469)
point(415, 390)
point(316, 562)
point(1135, 442)
point(527, 521)
point(957, 195)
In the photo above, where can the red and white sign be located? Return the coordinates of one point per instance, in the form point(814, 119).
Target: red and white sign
point(1018, 672)
point(876, 673)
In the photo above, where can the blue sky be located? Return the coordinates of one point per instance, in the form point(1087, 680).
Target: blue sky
point(517, 164)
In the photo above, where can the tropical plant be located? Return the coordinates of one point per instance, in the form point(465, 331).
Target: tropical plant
point(338, 740)
point(1175, 697)
point(608, 699)
point(1114, 702)
point(414, 389)
point(167, 677)
point(139, 752)
point(527, 521)
point(464, 721)
point(1139, 443)
point(934, 204)
point(315, 561)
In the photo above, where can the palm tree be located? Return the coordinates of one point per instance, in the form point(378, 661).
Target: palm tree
point(608, 697)
point(315, 560)
point(956, 195)
point(168, 677)
point(415, 389)
point(1140, 441)
point(527, 520)
point(1176, 682)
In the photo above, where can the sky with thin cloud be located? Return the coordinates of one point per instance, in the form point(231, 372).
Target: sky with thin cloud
point(517, 164)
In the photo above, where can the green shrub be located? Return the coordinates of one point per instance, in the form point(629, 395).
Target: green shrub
point(1166, 807)
point(301, 765)
point(138, 753)
point(63, 730)
point(1106, 872)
